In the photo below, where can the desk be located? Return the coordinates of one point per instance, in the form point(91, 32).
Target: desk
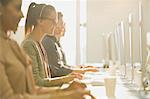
point(124, 89)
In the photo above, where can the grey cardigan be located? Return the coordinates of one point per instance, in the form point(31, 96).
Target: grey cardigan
point(57, 69)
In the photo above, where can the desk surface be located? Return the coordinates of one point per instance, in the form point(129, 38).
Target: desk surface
point(124, 89)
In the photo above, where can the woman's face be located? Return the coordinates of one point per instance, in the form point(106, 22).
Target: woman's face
point(60, 28)
point(11, 15)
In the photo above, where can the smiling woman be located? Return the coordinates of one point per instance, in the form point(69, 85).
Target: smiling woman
point(12, 14)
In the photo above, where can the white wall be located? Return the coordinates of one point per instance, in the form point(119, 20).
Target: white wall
point(103, 17)
point(145, 25)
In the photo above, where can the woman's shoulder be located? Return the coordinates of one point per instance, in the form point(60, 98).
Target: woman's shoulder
point(29, 46)
point(28, 42)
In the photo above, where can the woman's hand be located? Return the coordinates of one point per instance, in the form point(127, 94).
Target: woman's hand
point(82, 66)
point(74, 94)
point(68, 78)
point(61, 80)
point(76, 85)
point(77, 75)
point(91, 69)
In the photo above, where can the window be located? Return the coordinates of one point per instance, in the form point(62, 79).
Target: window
point(83, 31)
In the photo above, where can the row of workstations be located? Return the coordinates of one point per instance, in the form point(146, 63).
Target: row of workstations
point(132, 41)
